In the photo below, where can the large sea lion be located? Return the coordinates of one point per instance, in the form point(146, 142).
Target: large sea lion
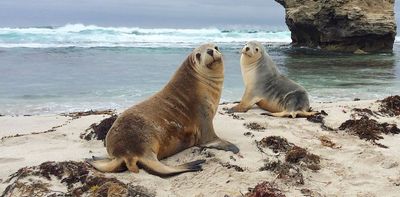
point(267, 88)
point(176, 118)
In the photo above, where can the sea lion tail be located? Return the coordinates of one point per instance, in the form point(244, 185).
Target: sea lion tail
point(154, 166)
point(107, 165)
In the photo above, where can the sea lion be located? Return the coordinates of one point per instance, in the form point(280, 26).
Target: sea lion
point(267, 88)
point(176, 118)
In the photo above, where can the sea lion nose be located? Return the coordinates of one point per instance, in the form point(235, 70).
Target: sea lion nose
point(210, 52)
point(247, 48)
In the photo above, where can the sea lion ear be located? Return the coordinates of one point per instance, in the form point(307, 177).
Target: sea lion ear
point(198, 55)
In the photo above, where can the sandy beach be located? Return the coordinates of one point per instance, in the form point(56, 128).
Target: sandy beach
point(347, 165)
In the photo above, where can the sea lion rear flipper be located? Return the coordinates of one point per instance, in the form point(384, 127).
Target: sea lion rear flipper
point(307, 113)
point(293, 114)
point(107, 165)
point(279, 114)
point(221, 145)
point(154, 166)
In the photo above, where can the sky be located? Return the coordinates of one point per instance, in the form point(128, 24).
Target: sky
point(142, 13)
point(145, 13)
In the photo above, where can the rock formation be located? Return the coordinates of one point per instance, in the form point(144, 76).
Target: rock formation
point(342, 25)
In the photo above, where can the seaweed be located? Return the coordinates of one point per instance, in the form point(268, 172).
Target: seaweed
point(69, 173)
point(295, 157)
point(76, 115)
point(325, 141)
point(254, 126)
point(52, 129)
point(248, 134)
point(390, 105)
point(369, 129)
point(308, 192)
point(319, 118)
point(235, 167)
point(363, 112)
point(99, 131)
point(276, 143)
point(284, 170)
point(297, 154)
point(264, 189)
point(236, 117)
point(316, 118)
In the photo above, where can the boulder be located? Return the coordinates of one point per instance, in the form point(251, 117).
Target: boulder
point(342, 25)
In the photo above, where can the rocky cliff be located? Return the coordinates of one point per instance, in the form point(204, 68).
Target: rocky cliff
point(342, 25)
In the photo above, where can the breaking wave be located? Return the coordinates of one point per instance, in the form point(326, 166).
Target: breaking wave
point(79, 35)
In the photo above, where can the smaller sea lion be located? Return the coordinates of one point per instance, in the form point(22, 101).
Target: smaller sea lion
point(267, 88)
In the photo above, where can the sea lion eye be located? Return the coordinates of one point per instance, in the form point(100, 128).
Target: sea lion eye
point(198, 55)
point(216, 48)
point(257, 49)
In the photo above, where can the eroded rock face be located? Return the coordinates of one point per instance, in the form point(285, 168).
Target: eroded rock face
point(342, 25)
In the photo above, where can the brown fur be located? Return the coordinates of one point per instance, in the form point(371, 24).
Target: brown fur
point(176, 118)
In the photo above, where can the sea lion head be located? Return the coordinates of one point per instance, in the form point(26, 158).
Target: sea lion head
point(252, 52)
point(207, 59)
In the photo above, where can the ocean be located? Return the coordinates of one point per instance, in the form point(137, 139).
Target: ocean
point(48, 70)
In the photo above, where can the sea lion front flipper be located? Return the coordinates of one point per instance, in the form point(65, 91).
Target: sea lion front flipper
point(248, 100)
point(221, 145)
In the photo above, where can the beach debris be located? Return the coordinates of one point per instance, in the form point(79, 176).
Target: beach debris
point(356, 99)
point(74, 178)
point(284, 170)
point(297, 154)
point(275, 143)
point(99, 131)
point(323, 112)
point(254, 126)
point(310, 193)
point(315, 118)
point(390, 105)
point(233, 115)
point(248, 134)
point(369, 129)
point(395, 180)
point(76, 115)
point(326, 141)
point(52, 129)
point(264, 189)
point(236, 117)
point(229, 166)
point(206, 153)
point(319, 118)
point(363, 112)
point(291, 161)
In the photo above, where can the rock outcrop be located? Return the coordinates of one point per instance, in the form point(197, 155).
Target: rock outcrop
point(342, 25)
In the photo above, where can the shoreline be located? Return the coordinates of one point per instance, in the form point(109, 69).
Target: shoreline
point(347, 165)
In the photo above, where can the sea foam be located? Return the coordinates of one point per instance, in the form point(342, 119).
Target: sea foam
point(78, 35)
